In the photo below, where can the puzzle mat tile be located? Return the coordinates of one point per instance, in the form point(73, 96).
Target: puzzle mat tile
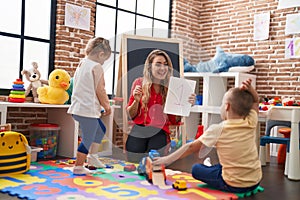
point(55, 180)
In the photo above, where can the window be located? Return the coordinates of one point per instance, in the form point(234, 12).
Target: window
point(138, 17)
point(27, 34)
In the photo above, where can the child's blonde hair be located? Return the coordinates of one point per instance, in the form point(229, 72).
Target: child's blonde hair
point(97, 44)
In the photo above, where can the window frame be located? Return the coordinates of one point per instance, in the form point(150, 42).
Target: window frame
point(135, 13)
point(22, 37)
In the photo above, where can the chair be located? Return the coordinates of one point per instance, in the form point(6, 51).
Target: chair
point(267, 139)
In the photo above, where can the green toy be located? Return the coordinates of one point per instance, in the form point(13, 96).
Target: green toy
point(248, 194)
point(69, 91)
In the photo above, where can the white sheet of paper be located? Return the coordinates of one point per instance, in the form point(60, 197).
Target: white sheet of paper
point(261, 26)
point(178, 94)
point(288, 4)
point(292, 24)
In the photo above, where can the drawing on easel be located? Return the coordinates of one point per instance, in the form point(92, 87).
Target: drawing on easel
point(179, 91)
point(133, 53)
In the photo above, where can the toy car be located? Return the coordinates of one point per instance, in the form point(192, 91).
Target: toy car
point(153, 154)
point(146, 168)
point(141, 169)
point(129, 168)
point(179, 185)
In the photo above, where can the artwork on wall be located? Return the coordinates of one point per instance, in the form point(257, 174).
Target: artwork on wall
point(288, 4)
point(77, 17)
point(292, 24)
point(292, 48)
point(261, 26)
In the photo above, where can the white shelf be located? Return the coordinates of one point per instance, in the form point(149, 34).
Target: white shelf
point(213, 87)
point(222, 74)
point(68, 136)
point(209, 109)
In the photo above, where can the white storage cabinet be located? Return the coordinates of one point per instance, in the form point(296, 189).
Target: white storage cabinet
point(212, 87)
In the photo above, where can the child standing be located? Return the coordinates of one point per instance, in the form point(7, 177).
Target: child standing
point(239, 169)
point(88, 98)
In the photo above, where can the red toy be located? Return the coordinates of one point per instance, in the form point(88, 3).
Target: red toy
point(129, 168)
point(17, 93)
point(200, 131)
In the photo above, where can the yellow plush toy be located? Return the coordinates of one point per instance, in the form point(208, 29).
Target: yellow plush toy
point(55, 93)
point(14, 153)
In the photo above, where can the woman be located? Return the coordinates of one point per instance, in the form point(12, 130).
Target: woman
point(146, 105)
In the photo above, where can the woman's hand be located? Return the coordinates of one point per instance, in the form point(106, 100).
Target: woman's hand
point(192, 99)
point(137, 93)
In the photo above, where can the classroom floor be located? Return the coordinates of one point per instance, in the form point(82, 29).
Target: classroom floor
point(276, 185)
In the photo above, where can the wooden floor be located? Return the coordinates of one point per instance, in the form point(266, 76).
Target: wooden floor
point(277, 186)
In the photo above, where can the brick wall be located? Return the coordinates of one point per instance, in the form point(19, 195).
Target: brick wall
point(70, 42)
point(21, 118)
point(206, 24)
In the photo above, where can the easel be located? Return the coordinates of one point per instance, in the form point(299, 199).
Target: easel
point(133, 53)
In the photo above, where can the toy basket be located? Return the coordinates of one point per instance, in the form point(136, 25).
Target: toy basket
point(46, 137)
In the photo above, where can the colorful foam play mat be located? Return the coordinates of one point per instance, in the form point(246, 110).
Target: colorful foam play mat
point(55, 180)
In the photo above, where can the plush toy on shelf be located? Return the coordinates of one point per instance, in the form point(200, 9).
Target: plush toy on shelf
point(290, 101)
point(56, 92)
point(222, 62)
point(33, 75)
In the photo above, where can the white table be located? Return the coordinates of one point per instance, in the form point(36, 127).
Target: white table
point(68, 137)
point(292, 114)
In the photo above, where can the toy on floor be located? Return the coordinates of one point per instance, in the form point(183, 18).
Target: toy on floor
point(154, 174)
point(253, 192)
point(129, 168)
point(222, 62)
point(33, 75)
point(15, 153)
point(55, 93)
point(179, 185)
point(17, 93)
point(91, 167)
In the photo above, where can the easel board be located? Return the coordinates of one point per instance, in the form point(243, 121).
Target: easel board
point(133, 54)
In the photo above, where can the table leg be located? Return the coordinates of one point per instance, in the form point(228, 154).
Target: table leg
point(294, 156)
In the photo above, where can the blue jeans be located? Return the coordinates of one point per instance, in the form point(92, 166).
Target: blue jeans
point(213, 177)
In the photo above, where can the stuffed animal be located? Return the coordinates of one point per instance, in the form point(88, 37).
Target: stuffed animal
point(14, 153)
point(70, 91)
point(222, 62)
point(56, 92)
point(33, 75)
